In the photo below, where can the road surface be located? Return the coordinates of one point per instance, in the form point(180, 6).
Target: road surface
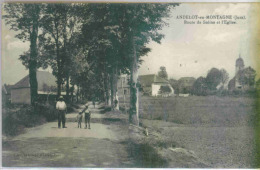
point(48, 146)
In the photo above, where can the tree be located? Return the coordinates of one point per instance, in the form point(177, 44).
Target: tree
point(246, 77)
point(164, 90)
point(61, 29)
point(141, 25)
point(25, 18)
point(100, 35)
point(162, 73)
point(257, 84)
point(200, 86)
point(175, 85)
point(52, 24)
point(213, 78)
point(224, 77)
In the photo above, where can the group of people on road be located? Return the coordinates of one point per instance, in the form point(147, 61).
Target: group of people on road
point(61, 108)
point(86, 116)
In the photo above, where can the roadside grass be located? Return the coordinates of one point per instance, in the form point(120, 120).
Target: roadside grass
point(146, 156)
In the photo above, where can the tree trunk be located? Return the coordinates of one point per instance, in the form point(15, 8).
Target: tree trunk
point(77, 93)
point(59, 76)
point(67, 87)
point(105, 89)
point(108, 91)
point(115, 89)
point(123, 92)
point(134, 103)
point(33, 57)
point(112, 90)
point(65, 57)
point(72, 93)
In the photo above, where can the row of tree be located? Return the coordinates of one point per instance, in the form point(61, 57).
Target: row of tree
point(216, 80)
point(87, 45)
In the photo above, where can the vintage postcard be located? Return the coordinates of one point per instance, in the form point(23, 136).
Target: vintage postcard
point(130, 85)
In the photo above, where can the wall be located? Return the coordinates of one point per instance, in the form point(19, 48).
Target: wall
point(21, 96)
point(155, 89)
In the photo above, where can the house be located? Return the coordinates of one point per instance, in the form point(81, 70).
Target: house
point(20, 92)
point(123, 87)
point(6, 93)
point(155, 85)
point(244, 78)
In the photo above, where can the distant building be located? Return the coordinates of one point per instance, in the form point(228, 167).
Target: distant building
point(6, 93)
point(20, 92)
point(150, 84)
point(244, 78)
point(154, 85)
point(123, 87)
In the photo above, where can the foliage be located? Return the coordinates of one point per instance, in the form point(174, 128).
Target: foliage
point(200, 86)
point(24, 18)
point(164, 89)
point(175, 85)
point(59, 29)
point(247, 76)
point(162, 73)
point(224, 76)
point(213, 78)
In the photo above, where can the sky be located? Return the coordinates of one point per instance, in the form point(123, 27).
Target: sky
point(186, 51)
point(191, 50)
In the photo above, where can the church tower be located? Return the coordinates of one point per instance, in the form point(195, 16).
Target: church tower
point(239, 66)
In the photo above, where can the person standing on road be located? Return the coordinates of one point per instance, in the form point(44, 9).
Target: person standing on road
point(87, 115)
point(62, 109)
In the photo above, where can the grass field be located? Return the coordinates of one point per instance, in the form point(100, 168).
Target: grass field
point(219, 130)
point(200, 110)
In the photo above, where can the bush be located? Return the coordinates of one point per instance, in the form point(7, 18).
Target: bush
point(47, 111)
point(14, 122)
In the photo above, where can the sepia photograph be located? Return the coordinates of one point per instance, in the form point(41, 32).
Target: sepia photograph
point(130, 85)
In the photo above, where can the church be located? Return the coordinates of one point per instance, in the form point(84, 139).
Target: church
point(244, 78)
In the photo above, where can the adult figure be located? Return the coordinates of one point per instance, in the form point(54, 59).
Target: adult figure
point(62, 109)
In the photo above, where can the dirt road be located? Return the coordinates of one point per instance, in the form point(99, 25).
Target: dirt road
point(46, 145)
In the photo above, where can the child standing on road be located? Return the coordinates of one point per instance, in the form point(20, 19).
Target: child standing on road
point(87, 117)
point(79, 119)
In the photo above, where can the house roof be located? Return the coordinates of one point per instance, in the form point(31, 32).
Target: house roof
point(44, 79)
point(147, 80)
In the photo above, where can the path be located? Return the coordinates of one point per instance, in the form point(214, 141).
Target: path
point(46, 145)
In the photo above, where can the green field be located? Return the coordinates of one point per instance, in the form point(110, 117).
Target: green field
point(210, 110)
